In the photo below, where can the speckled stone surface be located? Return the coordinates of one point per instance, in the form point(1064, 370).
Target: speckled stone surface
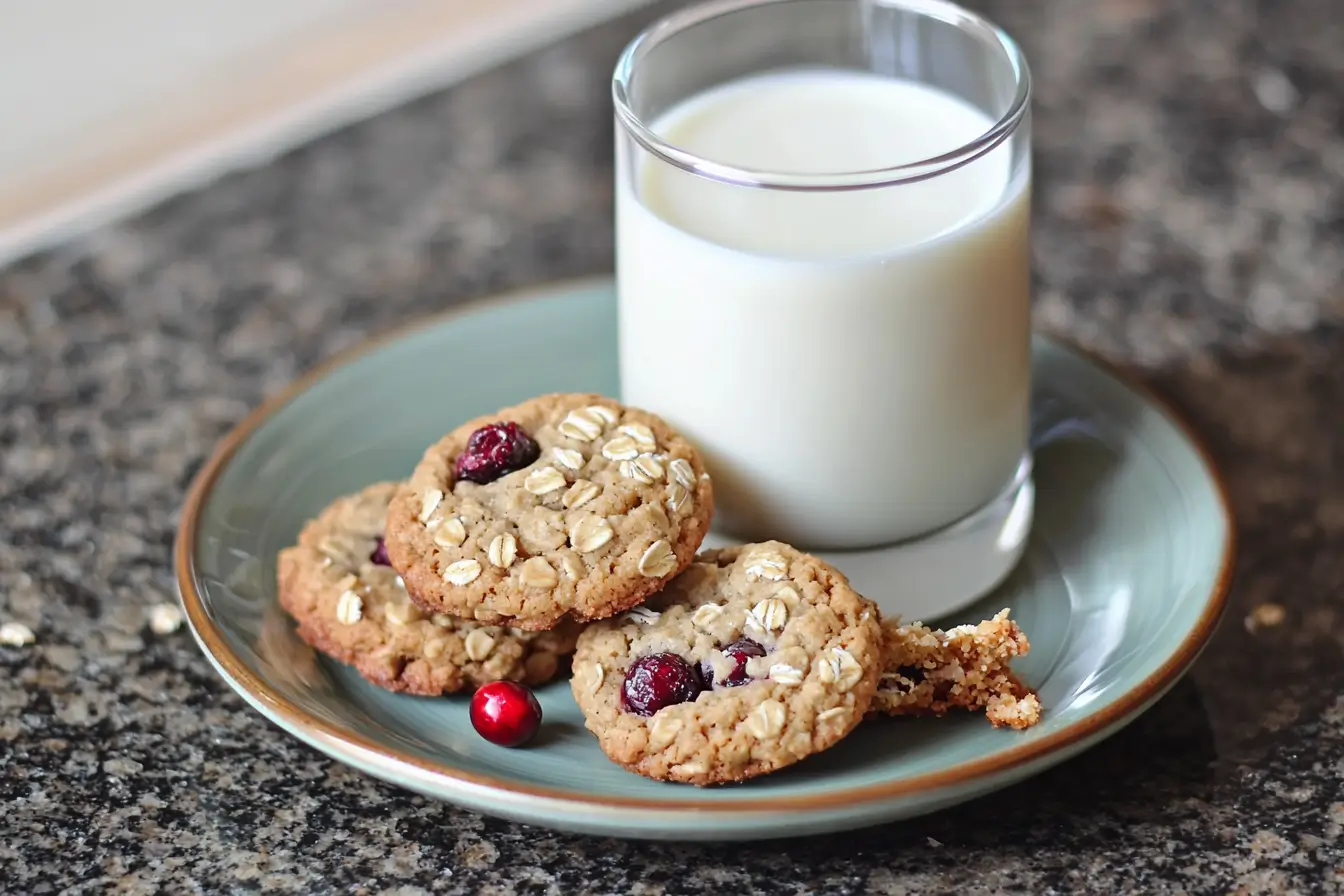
point(1190, 224)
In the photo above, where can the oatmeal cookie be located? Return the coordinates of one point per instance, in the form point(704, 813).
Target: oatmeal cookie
point(927, 672)
point(752, 659)
point(351, 606)
point(567, 504)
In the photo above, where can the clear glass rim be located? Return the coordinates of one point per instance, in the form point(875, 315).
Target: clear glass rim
point(910, 172)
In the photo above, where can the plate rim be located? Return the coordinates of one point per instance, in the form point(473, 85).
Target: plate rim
point(294, 719)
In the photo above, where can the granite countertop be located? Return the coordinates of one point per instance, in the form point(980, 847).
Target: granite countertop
point(1189, 224)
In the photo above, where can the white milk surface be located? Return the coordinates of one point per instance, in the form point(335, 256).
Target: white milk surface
point(855, 365)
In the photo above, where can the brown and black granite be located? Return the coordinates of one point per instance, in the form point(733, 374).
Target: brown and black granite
point(1189, 225)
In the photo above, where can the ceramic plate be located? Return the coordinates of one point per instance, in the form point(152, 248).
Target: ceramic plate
point(1122, 583)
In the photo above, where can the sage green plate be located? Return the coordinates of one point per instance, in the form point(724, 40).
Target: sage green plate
point(1123, 581)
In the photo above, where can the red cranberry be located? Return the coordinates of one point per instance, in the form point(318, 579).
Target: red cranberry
point(505, 713)
point(379, 554)
point(662, 679)
point(495, 450)
point(739, 652)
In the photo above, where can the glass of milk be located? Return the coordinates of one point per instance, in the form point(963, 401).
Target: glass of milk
point(823, 268)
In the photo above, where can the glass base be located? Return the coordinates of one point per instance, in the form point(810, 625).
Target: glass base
point(926, 578)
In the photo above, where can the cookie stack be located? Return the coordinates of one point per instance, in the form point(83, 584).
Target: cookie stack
point(569, 525)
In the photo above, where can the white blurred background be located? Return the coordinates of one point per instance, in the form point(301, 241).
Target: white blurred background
point(108, 105)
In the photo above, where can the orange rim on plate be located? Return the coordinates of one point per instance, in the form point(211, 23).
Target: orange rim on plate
point(1129, 703)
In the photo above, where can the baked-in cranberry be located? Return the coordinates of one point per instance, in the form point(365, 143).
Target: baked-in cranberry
point(739, 652)
point(379, 554)
point(495, 450)
point(662, 679)
point(505, 713)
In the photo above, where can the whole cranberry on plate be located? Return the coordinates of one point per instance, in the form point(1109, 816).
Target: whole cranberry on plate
point(505, 713)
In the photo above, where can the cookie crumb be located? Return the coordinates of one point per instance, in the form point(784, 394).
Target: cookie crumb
point(1267, 615)
point(932, 672)
point(16, 634)
point(164, 619)
point(1275, 91)
point(1013, 711)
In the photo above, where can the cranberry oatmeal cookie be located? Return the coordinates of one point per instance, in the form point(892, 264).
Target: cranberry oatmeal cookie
point(350, 605)
point(567, 504)
point(927, 672)
point(753, 658)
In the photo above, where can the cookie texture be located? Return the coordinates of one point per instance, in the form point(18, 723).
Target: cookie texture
point(356, 611)
point(822, 646)
point(927, 672)
point(615, 505)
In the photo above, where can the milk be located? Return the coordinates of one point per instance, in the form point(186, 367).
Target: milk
point(854, 365)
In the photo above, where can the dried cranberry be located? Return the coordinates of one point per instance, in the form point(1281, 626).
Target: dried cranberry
point(663, 679)
point(379, 554)
point(739, 652)
point(495, 450)
point(505, 713)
